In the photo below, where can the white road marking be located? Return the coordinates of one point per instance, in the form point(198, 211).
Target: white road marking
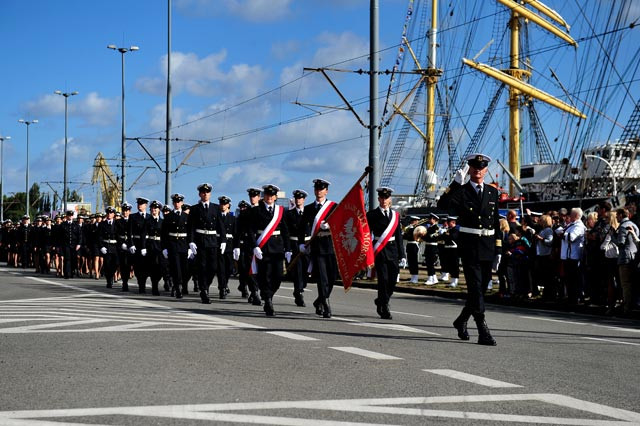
point(292, 336)
point(612, 341)
point(472, 378)
point(412, 314)
point(364, 352)
point(386, 326)
point(610, 327)
point(232, 412)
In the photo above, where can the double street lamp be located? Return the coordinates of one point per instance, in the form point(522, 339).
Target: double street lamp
point(122, 51)
point(2, 139)
point(27, 123)
point(64, 188)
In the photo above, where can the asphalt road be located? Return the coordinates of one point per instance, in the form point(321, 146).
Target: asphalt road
point(74, 352)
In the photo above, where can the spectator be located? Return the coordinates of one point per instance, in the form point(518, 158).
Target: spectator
point(571, 253)
point(610, 253)
point(504, 291)
point(592, 260)
point(626, 237)
point(517, 264)
point(543, 264)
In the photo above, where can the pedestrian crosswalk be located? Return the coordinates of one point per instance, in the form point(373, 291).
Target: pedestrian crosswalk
point(94, 312)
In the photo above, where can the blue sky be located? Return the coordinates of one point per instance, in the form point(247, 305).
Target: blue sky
point(225, 54)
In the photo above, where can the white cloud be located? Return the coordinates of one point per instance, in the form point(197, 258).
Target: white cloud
point(281, 50)
point(91, 109)
point(340, 47)
point(205, 76)
point(249, 10)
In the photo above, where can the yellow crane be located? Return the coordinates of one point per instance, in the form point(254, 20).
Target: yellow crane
point(108, 187)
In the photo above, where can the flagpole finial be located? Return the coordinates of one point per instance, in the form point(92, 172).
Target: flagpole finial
point(368, 169)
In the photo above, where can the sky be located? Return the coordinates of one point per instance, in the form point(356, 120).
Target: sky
point(237, 69)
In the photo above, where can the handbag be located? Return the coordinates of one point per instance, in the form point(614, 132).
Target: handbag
point(610, 248)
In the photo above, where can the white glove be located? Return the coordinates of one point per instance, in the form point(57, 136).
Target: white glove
point(165, 253)
point(123, 246)
point(287, 255)
point(304, 249)
point(103, 250)
point(257, 252)
point(496, 262)
point(78, 247)
point(190, 254)
point(441, 231)
point(222, 247)
point(403, 263)
point(324, 225)
point(132, 249)
point(236, 253)
point(461, 174)
point(143, 252)
point(193, 248)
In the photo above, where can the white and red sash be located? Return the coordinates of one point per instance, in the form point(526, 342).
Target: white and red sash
point(266, 234)
point(387, 234)
point(322, 213)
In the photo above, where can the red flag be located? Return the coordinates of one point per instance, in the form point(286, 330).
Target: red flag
point(351, 235)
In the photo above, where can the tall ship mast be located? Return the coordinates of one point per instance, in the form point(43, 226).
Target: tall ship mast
point(509, 74)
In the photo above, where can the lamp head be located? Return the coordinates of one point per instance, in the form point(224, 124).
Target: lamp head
point(134, 48)
point(57, 92)
point(111, 46)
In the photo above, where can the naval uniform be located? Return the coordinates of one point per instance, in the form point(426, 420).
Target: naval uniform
point(156, 263)
point(107, 239)
point(298, 273)
point(70, 238)
point(174, 240)
point(431, 248)
point(225, 260)
point(138, 239)
point(413, 249)
point(124, 257)
point(206, 230)
point(243, 242)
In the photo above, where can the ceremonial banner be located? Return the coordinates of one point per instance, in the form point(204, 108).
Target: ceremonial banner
point(351, 236)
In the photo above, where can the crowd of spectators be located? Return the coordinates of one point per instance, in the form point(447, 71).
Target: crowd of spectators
point(573, 258)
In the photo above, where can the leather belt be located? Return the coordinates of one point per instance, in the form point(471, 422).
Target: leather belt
point(110, 241)
point(414, 242)
point(307, 238)
point(124, 237)
point(136, 236)
point(153, 237)
point(229, 236)
point(206, 232)
point(178, 234)
point(480, 232)
point(450, 246)
point(390, 239)
point(431, 244)
point(274, 232)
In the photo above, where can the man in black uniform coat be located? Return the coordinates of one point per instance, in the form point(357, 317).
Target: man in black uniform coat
point(243, 250)
point(431, 247)
point(206, 236)
point(24, 240)
point(175, 247)
point(413, 248)
point(294, 220)
point(270, 239)
point(225, 260)
point(122, 235)
point(108, 245)
point(69, 240)
point(476, 205)
point(386, 232)
point(323, 258)
point(138, 243)
point(156, 263)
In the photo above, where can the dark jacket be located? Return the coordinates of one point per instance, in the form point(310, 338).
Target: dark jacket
point(174, 232)
point(205, 227)
point(278, 243)
point(393, 250)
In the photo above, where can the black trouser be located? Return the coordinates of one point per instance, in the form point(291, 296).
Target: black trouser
point(387, 273)
point(412, 258)
point(125, 266)
point(244, 264)
point(269, 274)
point(156, 266)
point(225, 267)
point(179, 267)
point(25, 255)
point(451, 261)
point(67, 254)
point(140, 270)
point(572, 279)
point(207, 265)
point(109, 266)
point(325, 266)
point(477, 275)
point(430, 253)
point(298, 272)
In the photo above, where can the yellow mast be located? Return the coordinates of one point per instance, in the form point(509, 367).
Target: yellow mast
point(515, 77)
point(432, 74)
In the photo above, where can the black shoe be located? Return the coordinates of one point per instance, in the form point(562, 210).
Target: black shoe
point(484, 336)
point(378, 307)
point(256, 300)
point(142, 291)
point(125, 287)
point(222, 294)
point(178, 295)
point(155, 293)
point(326, 309)
point(243, 291)
point(204, 298)
point(226, 290)
point(386, 312)
point(268, 308)
point(195, 288)
point(166, 287)
point(299, 299)
point(318, 306)
point(109, 285)
point(461, 325)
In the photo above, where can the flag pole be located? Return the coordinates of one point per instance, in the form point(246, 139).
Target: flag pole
point(295, 259)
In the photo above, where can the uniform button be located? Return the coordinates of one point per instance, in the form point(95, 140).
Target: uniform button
point(480, 226)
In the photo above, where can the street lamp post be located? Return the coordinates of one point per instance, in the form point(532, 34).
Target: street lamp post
point(27, 123)
point(613, 176)
point(2, 139)
point(122, 51)
point(64, 187)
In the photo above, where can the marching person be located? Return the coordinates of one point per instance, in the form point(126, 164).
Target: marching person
point(450, 259)
point(206, 236)
point(323, 258)
point(107, 238)
point(386, 235)
point(70, 239)
point(137, 243)
point(175, 247)
point(476, 206)
point(270, 239)
point(225, 261)
point(123, 237)
point(413, 248)
point(299, 275)
point(156, 262)
point(243, 250)
point(431, 247)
